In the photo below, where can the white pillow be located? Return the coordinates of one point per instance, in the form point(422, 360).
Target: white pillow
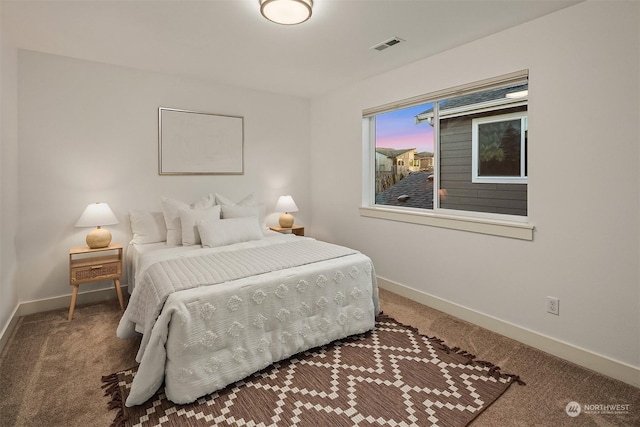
point(238, 211)
point(171, 209)
point(147, 227)
point(248, 200)
point(229, 231)
point(188, 220)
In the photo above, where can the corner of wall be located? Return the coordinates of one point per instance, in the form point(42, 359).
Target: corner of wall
point(9, 327)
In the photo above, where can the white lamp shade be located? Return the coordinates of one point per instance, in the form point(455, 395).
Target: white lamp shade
point(286, 12)
point(286, 204)
point(96, 215)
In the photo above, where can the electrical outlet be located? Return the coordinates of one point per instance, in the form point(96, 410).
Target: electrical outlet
point(553, 305)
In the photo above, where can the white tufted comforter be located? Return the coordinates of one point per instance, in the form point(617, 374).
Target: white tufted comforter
point(263, 304)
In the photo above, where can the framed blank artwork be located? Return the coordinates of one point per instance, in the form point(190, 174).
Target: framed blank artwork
point(197, 143)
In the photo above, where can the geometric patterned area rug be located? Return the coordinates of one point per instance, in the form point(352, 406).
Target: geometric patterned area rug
point(391, 375)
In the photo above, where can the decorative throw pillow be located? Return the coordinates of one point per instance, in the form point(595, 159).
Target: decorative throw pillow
point(147, 227)
point(229, 231)
point(171, 210)
point(248, 200)
point(238, 211)
point(188, 220)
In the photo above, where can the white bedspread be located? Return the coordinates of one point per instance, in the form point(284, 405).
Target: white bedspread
point(259, 312)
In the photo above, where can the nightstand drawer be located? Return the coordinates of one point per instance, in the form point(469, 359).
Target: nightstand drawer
point(96, 272)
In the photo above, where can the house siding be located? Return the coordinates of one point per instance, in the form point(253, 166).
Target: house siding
point(456, 169)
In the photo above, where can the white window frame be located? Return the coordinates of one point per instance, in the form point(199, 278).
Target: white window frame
point(496, 225)
point(475, 178)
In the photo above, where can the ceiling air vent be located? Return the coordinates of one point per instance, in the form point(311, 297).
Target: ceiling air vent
point(387, 43)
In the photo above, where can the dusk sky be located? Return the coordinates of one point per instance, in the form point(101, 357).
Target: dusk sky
point(398, 129)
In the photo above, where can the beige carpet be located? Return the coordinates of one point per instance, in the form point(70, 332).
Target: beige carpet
point(51, 369)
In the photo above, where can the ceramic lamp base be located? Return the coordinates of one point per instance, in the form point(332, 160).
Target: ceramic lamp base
point(98, 238)
point(286, 220)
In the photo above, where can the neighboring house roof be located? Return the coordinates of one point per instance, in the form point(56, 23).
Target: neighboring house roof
point(391, 152)
point(495, 97)
point(423, 154)
point(417, 186)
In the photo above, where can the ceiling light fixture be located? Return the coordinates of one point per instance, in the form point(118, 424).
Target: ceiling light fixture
point(286, 12)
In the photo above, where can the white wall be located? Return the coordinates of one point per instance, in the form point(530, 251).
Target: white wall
point(89, 132)
point(8, 179)
point(584, 184)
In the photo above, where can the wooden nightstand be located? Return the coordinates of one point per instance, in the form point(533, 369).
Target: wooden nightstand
point(298, 230)
point(90, 265)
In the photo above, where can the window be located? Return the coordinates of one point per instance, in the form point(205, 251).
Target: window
point(465, 147)
point(499, 149)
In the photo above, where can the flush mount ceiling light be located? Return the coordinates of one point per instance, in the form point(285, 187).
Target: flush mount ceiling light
point(286, 12)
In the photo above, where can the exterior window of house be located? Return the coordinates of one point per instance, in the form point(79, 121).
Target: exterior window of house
point(499, 152)
point(465, 147)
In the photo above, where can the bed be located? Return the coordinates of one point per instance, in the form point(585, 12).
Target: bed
point(210, 316)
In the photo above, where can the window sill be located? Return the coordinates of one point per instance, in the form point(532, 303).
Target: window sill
point(512, 230)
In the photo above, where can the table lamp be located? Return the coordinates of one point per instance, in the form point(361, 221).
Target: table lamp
point(286, 204)
point(96, 215)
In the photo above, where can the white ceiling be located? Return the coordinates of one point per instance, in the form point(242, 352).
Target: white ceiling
point(229, 42)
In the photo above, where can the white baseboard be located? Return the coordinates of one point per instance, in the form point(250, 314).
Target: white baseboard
point(38, 306)
point(601, 364)
point(8, 328)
